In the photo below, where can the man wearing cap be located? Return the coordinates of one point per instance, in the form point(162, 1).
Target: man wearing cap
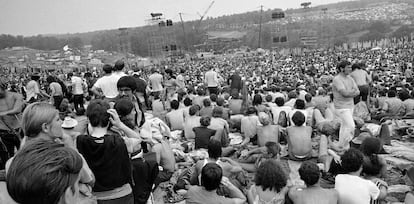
point(11, 103)
point(344, 90)
point(106, 85)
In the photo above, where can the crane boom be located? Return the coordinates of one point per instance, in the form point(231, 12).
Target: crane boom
point(205, 12)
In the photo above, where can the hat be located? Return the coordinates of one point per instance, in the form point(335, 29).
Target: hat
point(302, 87)
point(69, 123)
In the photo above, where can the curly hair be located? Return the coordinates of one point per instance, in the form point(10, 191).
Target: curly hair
point(270, 175)
point(370, 147)
point(309, 172)
point(352, 160)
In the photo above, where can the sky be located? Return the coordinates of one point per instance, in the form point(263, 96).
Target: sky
point(33, 17)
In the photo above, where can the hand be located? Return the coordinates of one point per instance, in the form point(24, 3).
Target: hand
point(337, 159)
point(115, 120)
point(225, 181)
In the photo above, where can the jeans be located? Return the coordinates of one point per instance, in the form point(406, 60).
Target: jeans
point(346, 132)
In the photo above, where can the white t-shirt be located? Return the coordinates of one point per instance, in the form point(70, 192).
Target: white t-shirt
point(77, 85)
point(211, 78)
point(355, 190)
point(108, 85)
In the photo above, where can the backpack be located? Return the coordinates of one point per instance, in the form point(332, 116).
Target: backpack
point(283, 120)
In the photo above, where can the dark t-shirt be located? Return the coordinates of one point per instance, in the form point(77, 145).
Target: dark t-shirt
point(202, 136)
point(141, 84)
point(235, 82)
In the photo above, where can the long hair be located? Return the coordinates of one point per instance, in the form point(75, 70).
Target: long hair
point(35, 115)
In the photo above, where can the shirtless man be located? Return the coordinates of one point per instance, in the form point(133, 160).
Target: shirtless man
point(313, 193)
point(299, 138)
point(10, 104)
point(165, 159)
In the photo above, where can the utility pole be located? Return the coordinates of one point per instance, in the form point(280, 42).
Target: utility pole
point(185, 36)
point(260, 27)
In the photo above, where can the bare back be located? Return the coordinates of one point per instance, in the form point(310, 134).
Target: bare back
point(314, 195)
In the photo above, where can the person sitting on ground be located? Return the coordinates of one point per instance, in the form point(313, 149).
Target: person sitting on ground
point(45, 172)
point(203, 134)
point(211, 178)
point(313, 193)
point(158, 108)
point(207, 109)
point(267, 132)
point(187, 105)
point(270, 184)
point(299, 138)
point(280, 106)
point(215, 152)
point(156, 134)
point(220, 125)
point(374, 166)
point(409, 180)
point(235, 103)
point(191, 122)
point(251, 160)
point(249, 126)
point(351, 187)
point(299, 106)
point(175, 118)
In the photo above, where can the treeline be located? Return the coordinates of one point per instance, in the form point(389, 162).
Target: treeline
point(39, 42)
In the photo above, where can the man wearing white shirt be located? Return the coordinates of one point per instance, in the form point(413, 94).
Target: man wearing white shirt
point(106, 85)
point(118, 69)
point(77, 85)
point(212, 80)
point(353, 189)
point(155, 82)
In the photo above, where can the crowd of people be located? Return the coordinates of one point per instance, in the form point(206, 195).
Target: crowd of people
point(225, 126)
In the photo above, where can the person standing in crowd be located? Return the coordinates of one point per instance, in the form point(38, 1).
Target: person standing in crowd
point(211, 79)
point(155, 82)
point(33, 92)
point(362, 79)
point(180, 81)
point(118, 69)
point(78, 86)
point(56, 93)
point(11, 104)
point(106, 85)
point(344, 90)
point(235, 82)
